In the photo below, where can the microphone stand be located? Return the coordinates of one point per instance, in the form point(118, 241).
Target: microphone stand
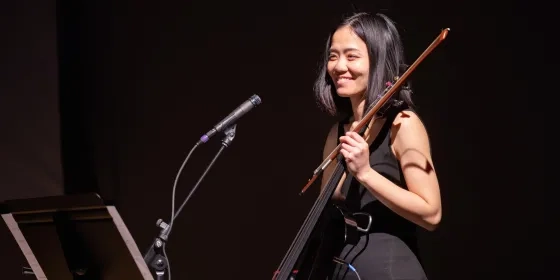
point(155, 257)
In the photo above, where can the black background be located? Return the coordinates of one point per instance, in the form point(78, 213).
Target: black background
point(110, 96)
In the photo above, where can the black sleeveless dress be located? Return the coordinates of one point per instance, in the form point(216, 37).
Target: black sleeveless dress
point(389, 250)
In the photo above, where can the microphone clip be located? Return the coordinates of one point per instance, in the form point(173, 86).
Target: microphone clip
point(229, 135)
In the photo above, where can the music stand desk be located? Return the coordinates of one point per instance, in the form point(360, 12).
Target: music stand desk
point(74, 237)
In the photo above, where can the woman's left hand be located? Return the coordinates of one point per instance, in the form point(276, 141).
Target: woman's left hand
point(356, 152)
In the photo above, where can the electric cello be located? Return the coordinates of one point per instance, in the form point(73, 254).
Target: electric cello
point(306, 254)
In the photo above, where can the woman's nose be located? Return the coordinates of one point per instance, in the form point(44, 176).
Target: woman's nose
point(340, 66)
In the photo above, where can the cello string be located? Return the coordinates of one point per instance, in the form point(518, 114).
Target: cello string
point(304, 230)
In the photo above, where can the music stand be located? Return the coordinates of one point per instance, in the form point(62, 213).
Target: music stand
point(74, 237)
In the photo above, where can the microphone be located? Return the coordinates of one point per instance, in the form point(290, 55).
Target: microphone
point(247, 106)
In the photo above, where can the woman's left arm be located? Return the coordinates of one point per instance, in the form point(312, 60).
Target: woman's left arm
point(421, 203)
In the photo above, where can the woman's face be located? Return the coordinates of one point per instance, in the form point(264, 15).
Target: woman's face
point(348, 63)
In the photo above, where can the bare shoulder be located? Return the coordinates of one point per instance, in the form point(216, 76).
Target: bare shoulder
point(331, 141)
point(330, 144)
point(409, 133)
point(408, 120)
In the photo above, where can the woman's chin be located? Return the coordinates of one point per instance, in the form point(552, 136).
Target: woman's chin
point(347, 94)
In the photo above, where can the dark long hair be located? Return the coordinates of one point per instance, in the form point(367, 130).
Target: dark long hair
point(386, 61)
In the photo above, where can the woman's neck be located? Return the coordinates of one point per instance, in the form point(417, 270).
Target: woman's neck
point(358, 112)
point(357, 108)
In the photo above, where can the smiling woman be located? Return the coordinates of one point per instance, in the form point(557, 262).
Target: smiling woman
point(389, 174)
